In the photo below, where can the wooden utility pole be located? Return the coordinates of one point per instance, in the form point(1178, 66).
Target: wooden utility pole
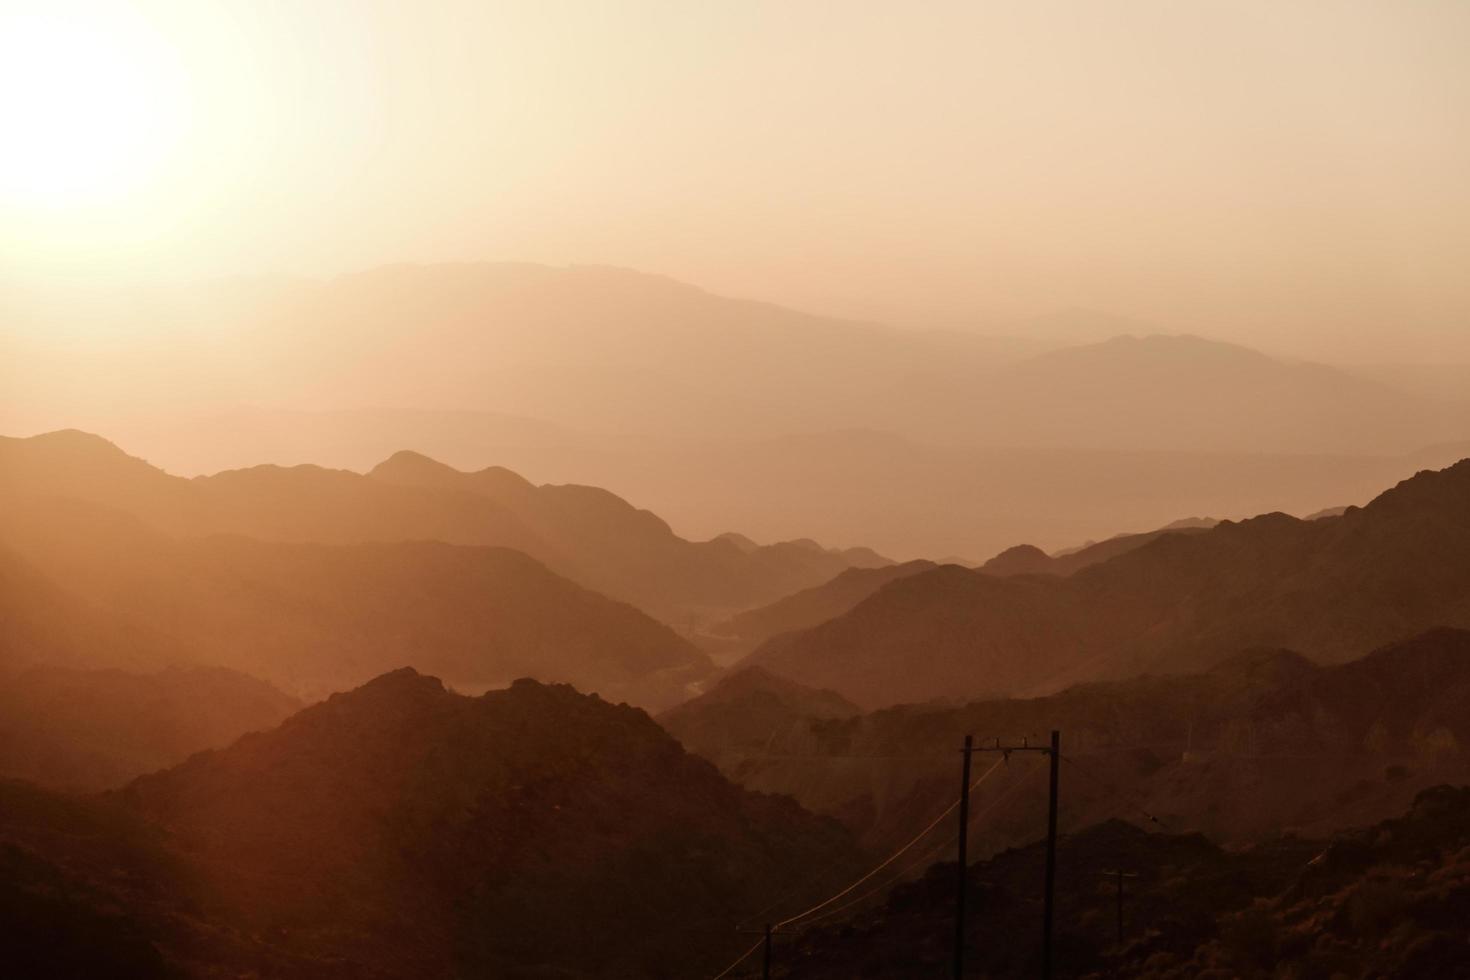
point(1119, 875)
point(1055, 752)
point(959, 902)
point(1051, 856)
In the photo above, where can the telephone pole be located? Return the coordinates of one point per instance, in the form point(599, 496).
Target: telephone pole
point(959, 902)
point(1054, 751)
point(1119, 875)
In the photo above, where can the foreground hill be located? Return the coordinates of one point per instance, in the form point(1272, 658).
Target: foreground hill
point(96, 729)
point(584, 533)
point(1263, 742)
point(1325, 587)
point(401, 830)
point(314, 617)
point(1385, 902)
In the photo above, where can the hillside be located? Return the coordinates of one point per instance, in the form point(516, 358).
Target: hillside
point(746, 712)
point(1264, 742)
point(817, 604)
point(1327, 588)
point(89, 730)
point(1384, 901)
point(312, 618)
point(401, 830)
point(583, 533)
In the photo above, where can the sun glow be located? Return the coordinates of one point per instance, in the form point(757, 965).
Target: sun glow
point(91, 104)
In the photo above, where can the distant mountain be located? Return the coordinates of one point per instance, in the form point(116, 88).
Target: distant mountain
point(631, 553)
point(1026, 559)
point(708, 409)
point(401, 830)
point(313, 617)
point(1264, 742)
point(1383, 901)
point(584, 533)
point(1181, 602)
point(818, 604)
point(96, 729)
point(1174, 392)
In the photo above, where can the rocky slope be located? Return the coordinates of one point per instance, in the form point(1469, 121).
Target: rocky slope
point(401, 830)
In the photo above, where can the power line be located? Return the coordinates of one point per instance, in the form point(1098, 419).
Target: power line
point(740, 959)
point(892, 857)
point(1113, 789)
point(929, 855)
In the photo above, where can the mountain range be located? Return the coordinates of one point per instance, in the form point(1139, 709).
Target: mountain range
point(584, 533)
point(1182, 601)
point(313, 618)
point(708, 409)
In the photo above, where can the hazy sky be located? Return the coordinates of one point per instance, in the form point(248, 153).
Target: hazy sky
point(1287, 174)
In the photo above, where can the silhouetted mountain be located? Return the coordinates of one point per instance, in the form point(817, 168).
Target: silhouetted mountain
point(584, 533)
point(401, 830)
point(1384, 902)
point(630, 553)
point(1025, 559)
point(97, 729)
point(1181, 602)
point(314, 617)
point(1263, 742)
point(1021, 559)
point(815, 605)
point(645, 386)
point(1182, 392)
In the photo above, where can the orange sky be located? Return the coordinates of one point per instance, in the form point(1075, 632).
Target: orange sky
point(1289, 175)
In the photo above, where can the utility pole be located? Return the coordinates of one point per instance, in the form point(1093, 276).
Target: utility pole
point(766, 961)
point(1051, 857)
point(959, 902)
point(1119, 875)
point(1055, 752)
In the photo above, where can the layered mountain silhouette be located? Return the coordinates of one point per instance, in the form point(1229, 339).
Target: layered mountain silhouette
point(87, 730)
point(1384, 901)
point(815, 605)
point(1265, 741)
point(584, 533)
point(631, 553)
point(402, 830)
point(708, 409)
point(1027, 559)
point(1325, 587)
point(314, 617)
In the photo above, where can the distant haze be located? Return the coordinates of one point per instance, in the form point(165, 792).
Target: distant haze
point(1282, 175)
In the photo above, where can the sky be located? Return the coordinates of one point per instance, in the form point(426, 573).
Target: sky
point(1289, 175)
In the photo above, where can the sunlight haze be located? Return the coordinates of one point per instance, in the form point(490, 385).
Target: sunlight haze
point(1288, 175)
